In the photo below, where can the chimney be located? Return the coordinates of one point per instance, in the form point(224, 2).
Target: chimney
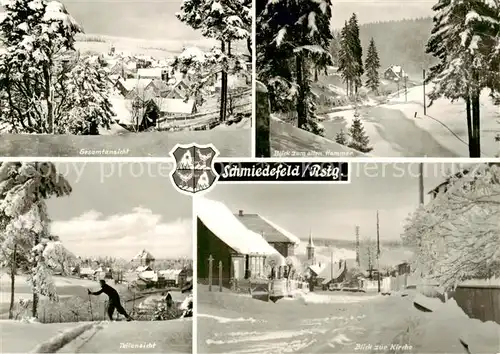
point(240, 212)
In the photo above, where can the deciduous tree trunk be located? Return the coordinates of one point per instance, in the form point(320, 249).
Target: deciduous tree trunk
point(12, 282)
point(301, 99)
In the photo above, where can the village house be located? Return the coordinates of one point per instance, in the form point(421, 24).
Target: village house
point(282, 240)
point(134, 115)
point(144, 89)
point(176, 107)
point(330, 273)
point(154, 74)
point(223, 239)
point(144, 258)
point(395, 73)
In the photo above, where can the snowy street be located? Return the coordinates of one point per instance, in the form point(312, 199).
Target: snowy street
point(349, 323)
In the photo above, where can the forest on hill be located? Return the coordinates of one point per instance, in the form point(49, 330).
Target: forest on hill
point(400, 43)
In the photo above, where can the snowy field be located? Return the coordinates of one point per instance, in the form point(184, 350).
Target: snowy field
point(66, 287)
point(336, 323)
point(155, 48)
point(395, 132)
point(153, 144)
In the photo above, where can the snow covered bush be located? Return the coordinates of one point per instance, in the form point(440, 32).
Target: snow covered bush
point(46, 87)
point(456, 235)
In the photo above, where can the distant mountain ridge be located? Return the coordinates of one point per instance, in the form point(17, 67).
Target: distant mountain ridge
point(401, 43)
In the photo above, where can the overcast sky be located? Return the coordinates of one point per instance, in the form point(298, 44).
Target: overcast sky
point(333, 211)
point(119, 209)
point(155, 19)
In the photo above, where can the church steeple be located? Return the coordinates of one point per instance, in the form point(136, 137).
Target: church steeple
point(310, 249)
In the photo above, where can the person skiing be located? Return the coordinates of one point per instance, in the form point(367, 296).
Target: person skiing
point(113, 302)
point(168, 300)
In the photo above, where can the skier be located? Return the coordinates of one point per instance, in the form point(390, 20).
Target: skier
point(113, 302)
point(168, 300)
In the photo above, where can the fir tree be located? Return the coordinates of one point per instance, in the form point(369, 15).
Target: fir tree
point(351, 55)
point(463, 40)
point(293, 37)
point(341, 137)
point(358, 139)
point(372, 64)
point(357, 51)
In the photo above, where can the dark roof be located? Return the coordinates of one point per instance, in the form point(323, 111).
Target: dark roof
point(256, 224)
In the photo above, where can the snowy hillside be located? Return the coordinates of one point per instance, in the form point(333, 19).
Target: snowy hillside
point(290, 141)
point(446, 120)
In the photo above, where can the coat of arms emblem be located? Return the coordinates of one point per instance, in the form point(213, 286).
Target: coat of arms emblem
point(194, 171)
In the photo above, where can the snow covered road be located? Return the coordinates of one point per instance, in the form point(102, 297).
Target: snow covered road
point(346, 323)
point(304, 327)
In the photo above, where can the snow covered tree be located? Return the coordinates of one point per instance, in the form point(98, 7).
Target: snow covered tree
point(227, 21)
point(24, 186)
point(372, 64)
point(294, 36)
point(358, 138)
point(456, 235)
point(38, 74)
point(464, 39)
point(341, 137)
point(58, 256)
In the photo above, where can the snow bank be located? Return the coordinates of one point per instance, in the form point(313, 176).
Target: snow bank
point(227, 319)
point(440, 331)
point(57, 342)
point(314, 298)
point(221, 221)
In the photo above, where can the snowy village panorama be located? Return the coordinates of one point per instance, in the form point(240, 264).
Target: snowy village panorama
point(378, 78)
point(93, 259)
point(404, 259)
point(120, 78)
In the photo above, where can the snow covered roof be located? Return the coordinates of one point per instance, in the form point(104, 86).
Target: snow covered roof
point(398, 71)
point(171, 274)
point(269, 230)
point(148, 275)
point(145, 255)
point(150, 72)
point(175, 105)
point(132, 84)
point(220, 220)
point(327, 273)
point(317, 268)
point(87, 271)
point(141, 269)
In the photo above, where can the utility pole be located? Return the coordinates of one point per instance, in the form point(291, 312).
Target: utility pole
point(378, 254)
point(357, 245)
point(425, 103)
point(406, 89)
point(331, 265)
point(421, 183)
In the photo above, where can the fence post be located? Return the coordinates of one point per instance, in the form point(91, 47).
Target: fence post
point(220, 276)
point(210, 269)
point(262, 121)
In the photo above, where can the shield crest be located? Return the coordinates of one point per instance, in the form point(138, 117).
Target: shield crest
point(194, 167)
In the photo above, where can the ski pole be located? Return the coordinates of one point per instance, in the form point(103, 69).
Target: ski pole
point(90, 306)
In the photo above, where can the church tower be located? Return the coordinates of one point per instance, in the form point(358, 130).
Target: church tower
point(310, 250)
